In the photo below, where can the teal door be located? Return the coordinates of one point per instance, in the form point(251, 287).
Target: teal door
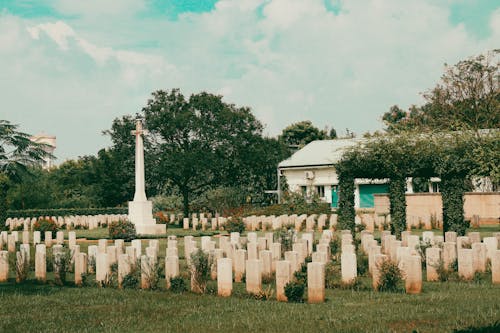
point(366, 193)
point(335, 196)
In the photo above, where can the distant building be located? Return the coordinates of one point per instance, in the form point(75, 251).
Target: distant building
point(311, 170)
point(50, 142)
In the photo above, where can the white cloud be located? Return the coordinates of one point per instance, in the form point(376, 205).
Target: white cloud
point(289, 60)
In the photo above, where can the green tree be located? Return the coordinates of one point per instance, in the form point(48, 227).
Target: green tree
point(466, 98)
point(300, 134)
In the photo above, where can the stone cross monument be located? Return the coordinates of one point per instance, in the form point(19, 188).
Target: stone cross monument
point(140, 211)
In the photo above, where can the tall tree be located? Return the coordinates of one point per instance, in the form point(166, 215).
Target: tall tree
point(300, 134)
point(467, 98)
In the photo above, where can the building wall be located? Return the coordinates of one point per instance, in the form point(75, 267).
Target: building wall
point(422, 207)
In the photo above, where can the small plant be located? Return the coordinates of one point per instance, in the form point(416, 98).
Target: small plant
point(235, 224)
point(61, 264)
point(422, 249)
point(152, 275)
point(294, 291)
point(285, 237)
point(390, 277)
point(178, 285)
point(269, 278)
point(264, 295)
point(332, 275)
point(301, 275)
point(22, 267)
point(335, 247)
point(362, 264)
point(122, 229)
point(200, 271)
point(44, 225)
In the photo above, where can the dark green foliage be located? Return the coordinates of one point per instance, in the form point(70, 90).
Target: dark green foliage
point(335, 244)
point(300, 134)
point(397, 189)
point(61, 264)
point(301, 274)
point(346, 212)
point(391, 278)
point(493, 328)
point(285, 237)
point(4, 187)
point(235, 224)
point(122, 229)
point(178, 285)
point(452, 192)
point(200, 271)
point(294, 291)
point(362, 264)
point(65, 212)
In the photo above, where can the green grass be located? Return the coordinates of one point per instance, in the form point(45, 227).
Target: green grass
point(442, 307)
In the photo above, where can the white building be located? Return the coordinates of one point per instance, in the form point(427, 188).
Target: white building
point(311, 170)
point(50, 142)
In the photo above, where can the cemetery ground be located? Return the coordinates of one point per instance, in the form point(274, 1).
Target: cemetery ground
point(442, 306)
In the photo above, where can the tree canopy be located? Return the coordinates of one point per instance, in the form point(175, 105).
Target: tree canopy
point(466, 98)
point(300, 134)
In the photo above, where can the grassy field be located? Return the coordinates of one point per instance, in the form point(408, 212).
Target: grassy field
point(442, 307)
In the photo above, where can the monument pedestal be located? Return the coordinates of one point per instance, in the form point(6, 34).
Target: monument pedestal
point(140, 214)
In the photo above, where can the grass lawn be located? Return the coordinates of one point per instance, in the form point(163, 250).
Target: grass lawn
point(442, 307)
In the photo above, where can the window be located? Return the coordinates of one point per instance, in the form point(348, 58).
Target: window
point(303, 190)
point(320, 191)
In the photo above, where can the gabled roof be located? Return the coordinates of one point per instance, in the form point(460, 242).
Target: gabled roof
point(319, 153)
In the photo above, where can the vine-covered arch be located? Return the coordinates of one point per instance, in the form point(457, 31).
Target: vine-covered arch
point(449, 156)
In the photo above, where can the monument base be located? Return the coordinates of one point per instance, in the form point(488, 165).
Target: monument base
point(140, 214)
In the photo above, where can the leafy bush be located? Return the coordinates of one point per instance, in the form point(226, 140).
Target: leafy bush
point(200, 271)
point(122, 229)
point(61, 264)
point(22, 267)
point(362, 264)
point(264, 295)
point(285, 236)
point(178, 285)
point(335, 246)
point(294, 291)
point(235, 224)
point(332, 275)
point(301, 274)
point(44, 225)
point(390, 277)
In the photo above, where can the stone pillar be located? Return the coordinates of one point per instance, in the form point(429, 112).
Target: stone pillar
point(479, 257)
point(413, 281)
point(171, 269)
point(428, 236)
point(404, 238)
point(348, 267)
point(26, 237)
point(137, 244)
point(253, 276)
point(266, 259)
point(112, 257)
point(120, 245)
point(309, 237)
point(413, 242)
point(239, 264)
point(102, 244)
point(373, 251)
point(315, 282)
point(60, 237)
point(276, 254)
point(378, 259)
point(185, 223)
point(432, 258)
point(393, 249)
point(4, 266)
point(37, 237)
point(80, 267)
point(495, 267)
point(449, 254)
point(224, 277)
point(461, 241)
point(475, 237)
point(71, 239)
point(11, 243)
point(102, 268)
point(450, 236)
point(465, 264)
point(491, 246)
point(40, 263)
point(215, 255)
point(124, 267)
point(293, 258)
point(283, 276)
point(252, 251)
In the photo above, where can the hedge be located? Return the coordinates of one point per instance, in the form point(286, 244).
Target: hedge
point(66, 212)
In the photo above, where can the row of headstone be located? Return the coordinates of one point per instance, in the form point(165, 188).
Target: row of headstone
point(9, 240)
point(298, 222)
point(86, 221)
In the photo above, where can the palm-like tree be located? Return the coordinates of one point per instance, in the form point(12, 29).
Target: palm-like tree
point(17, 153)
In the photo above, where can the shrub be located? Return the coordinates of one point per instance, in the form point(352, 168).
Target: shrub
point(332, 275)
point(122, 229)
point(62, 260)
point(235, 224)
point(161, 218)
point(285, 237)
point(44, 225)
point(294, 291)
point(335, 246)
point(153, 276)
point(22, 267)
point(301, 275)
point(131, 280)
point(264, 295)
point(362, 264)
point(390, 277)
point(200, 271)
point(178, 285)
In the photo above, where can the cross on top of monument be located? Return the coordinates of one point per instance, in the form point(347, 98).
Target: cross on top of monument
point(139, 130)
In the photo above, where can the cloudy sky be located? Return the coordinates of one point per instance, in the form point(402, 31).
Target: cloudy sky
point(68, 68)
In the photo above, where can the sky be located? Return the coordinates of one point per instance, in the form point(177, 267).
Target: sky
point(68, 68)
